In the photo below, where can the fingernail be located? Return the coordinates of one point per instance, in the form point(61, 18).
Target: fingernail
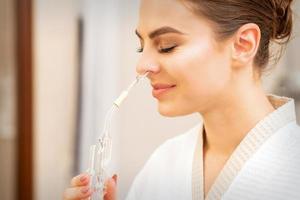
point(115, 177)
point(85, 190)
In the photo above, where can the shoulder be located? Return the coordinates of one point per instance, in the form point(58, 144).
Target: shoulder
point(273, 171)
point(168, 162)
point(288, 139)
point(292, 143)
point(172, 149)
point(278, 161)
point(176, 146)
point(282, 150)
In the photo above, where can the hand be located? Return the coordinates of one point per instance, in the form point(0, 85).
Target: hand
point(79, 188)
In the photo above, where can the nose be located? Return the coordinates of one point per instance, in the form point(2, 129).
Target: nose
point(147, 63)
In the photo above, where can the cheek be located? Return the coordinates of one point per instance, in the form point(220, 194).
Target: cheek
point(204, 70)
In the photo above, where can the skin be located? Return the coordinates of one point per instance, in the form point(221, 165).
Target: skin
point(215, 79)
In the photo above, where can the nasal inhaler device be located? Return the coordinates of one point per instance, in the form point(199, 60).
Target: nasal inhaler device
point(100, 153)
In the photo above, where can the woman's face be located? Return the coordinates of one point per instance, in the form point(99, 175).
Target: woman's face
point(190, 71)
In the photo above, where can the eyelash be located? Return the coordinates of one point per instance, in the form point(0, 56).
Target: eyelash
point(167, 50)
point(139, 50)
point(162, 50)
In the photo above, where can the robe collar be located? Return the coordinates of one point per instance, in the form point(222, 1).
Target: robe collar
point(283, 114)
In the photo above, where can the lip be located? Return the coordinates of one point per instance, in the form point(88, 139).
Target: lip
point(161, 89)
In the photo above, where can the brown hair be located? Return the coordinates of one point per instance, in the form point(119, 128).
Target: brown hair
point(274, 18)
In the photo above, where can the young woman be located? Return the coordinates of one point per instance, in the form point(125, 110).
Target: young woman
point(208, 56)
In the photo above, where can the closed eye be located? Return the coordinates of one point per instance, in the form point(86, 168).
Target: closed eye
point(167, 50)
point(161, 50)
point(140, 50)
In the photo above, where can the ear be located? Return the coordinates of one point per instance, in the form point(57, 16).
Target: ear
point(245, 44)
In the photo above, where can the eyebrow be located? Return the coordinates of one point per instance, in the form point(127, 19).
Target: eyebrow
point(160, 31)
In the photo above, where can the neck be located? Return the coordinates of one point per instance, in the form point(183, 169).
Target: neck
point(229, 121)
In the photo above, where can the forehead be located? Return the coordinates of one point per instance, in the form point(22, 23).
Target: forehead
point(154, 14)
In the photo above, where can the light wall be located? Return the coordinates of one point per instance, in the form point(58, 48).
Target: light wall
point(55, 86)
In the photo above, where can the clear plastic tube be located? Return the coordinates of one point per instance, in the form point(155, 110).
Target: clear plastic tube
point(100, 154)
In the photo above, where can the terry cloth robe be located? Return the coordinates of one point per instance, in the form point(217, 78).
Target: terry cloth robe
point(264, 166)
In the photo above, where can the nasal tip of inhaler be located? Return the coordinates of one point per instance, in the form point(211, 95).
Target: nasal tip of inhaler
point(142, 76)
point(124, 94)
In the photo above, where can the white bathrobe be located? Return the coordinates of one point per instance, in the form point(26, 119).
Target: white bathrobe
point(264, 166)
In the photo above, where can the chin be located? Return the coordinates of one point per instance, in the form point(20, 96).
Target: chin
point(167, 114)
point(170, 110)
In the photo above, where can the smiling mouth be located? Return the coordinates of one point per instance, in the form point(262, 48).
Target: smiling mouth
point(161, 89)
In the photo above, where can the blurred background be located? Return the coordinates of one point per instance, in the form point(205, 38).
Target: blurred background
point(62, 63)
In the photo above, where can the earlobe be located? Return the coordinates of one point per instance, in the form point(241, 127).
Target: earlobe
point(245, 43)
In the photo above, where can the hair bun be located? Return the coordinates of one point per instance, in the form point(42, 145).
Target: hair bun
point(283, 19)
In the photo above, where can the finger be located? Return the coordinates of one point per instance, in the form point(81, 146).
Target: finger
point(80, 180)
point(111, 189)
point(77, 193)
